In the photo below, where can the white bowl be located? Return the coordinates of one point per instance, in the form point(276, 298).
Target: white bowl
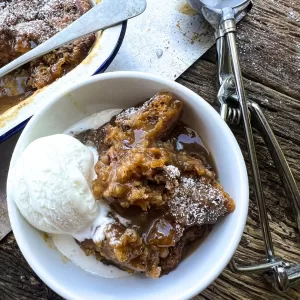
point(195, 272)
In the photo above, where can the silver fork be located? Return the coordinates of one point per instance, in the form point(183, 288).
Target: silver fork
point(223, 16)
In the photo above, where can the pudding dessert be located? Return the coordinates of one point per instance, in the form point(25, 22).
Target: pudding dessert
point(25, 24)
point(153, 171)
point(152, 193)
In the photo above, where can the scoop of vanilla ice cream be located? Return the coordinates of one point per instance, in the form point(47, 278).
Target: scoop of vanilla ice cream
point(51, 184)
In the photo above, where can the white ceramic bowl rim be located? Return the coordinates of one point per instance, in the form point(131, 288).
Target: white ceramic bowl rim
point(236, 233)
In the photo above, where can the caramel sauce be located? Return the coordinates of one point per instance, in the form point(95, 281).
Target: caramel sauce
point(139, 135)
point(13, 89)
point(139, 219)
point(155, 172)
point(155, 225)
point(161, 234)
point(187, 139)
point(22, 45)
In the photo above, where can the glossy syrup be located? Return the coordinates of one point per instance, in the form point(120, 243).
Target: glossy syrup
point(187, 139)
point(156, 225)
point(13, 87)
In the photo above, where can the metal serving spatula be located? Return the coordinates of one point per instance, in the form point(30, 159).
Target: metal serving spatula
point(103, 15)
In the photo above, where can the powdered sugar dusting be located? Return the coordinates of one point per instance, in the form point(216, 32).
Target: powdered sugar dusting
point(172, 171)
point(36, 28)
point(113, 239)
point(128, 113)
point(38, 20)
point(196, 202)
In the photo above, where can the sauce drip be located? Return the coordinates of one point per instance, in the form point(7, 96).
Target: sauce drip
point(13, 89)
point(161, 234)
point(187, 139)
point(154, 225)
point(190, 141)
point(139, 219)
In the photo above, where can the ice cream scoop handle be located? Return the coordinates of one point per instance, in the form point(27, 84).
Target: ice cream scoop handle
point(229, 29)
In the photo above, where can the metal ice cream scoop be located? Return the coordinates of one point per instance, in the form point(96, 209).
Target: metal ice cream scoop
point(103, 15)
point(223, 16)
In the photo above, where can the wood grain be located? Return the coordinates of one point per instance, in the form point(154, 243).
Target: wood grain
point(283, 226)
point(269, 47)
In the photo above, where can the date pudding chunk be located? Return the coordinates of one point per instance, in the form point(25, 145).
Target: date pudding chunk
point(158, 179)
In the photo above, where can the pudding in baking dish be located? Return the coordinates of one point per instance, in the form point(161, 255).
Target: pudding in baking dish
point(25, 24)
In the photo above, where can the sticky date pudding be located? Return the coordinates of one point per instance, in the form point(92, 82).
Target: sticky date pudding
point(158, 179)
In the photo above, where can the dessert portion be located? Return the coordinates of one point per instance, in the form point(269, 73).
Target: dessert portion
point(155, 173)
point(24, 24)
point(146, 196)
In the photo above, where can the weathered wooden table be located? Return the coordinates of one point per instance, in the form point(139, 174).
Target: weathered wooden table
point(269, 46)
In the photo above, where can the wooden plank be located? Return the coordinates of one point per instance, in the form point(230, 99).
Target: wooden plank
point(17, 280)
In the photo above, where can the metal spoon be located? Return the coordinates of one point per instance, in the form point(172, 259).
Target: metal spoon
point(103, 15)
